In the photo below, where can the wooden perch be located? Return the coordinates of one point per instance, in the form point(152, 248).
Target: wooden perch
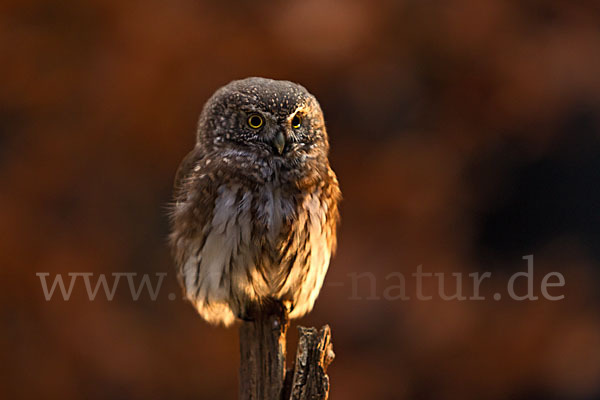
point(262, 357)
point(314, 354)
point(263, 374)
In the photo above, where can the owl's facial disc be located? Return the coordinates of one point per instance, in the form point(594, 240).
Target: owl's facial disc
point(266, 120)
point(265, 131)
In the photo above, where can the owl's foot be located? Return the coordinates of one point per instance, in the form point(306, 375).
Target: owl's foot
point(281, 308)
point(248, 312)
point(266, 309)
point(246, 317)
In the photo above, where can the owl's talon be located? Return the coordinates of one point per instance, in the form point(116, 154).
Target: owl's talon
point(289, 305)
point(246, 318)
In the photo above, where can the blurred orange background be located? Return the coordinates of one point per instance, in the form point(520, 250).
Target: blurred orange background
point(465, 135)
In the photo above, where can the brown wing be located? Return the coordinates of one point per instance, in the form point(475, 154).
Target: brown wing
point(185, 167)
point(194, 197)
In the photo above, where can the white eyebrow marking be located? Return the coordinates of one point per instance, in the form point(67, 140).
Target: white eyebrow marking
point(305, 109)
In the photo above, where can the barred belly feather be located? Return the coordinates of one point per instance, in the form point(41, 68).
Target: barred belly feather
point(231, 268)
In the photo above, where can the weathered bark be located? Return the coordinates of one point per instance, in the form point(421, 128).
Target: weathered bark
point(263, 352)
point(314, 354)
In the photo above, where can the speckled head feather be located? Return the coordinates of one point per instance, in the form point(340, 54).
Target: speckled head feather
point(256, 202)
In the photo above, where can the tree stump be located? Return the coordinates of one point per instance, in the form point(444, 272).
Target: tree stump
point(263, 374)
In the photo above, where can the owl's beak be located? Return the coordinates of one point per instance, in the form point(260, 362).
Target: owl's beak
point(279, 142)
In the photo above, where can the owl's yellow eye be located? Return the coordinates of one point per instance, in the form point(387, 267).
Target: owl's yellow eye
point(255, 121)
point(296, 122)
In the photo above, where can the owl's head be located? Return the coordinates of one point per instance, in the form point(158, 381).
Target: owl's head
point(260, 119)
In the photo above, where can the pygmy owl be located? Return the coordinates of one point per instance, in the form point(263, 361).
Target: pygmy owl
point(256, 203)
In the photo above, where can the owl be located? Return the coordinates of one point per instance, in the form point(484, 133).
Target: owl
point(255, 208)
